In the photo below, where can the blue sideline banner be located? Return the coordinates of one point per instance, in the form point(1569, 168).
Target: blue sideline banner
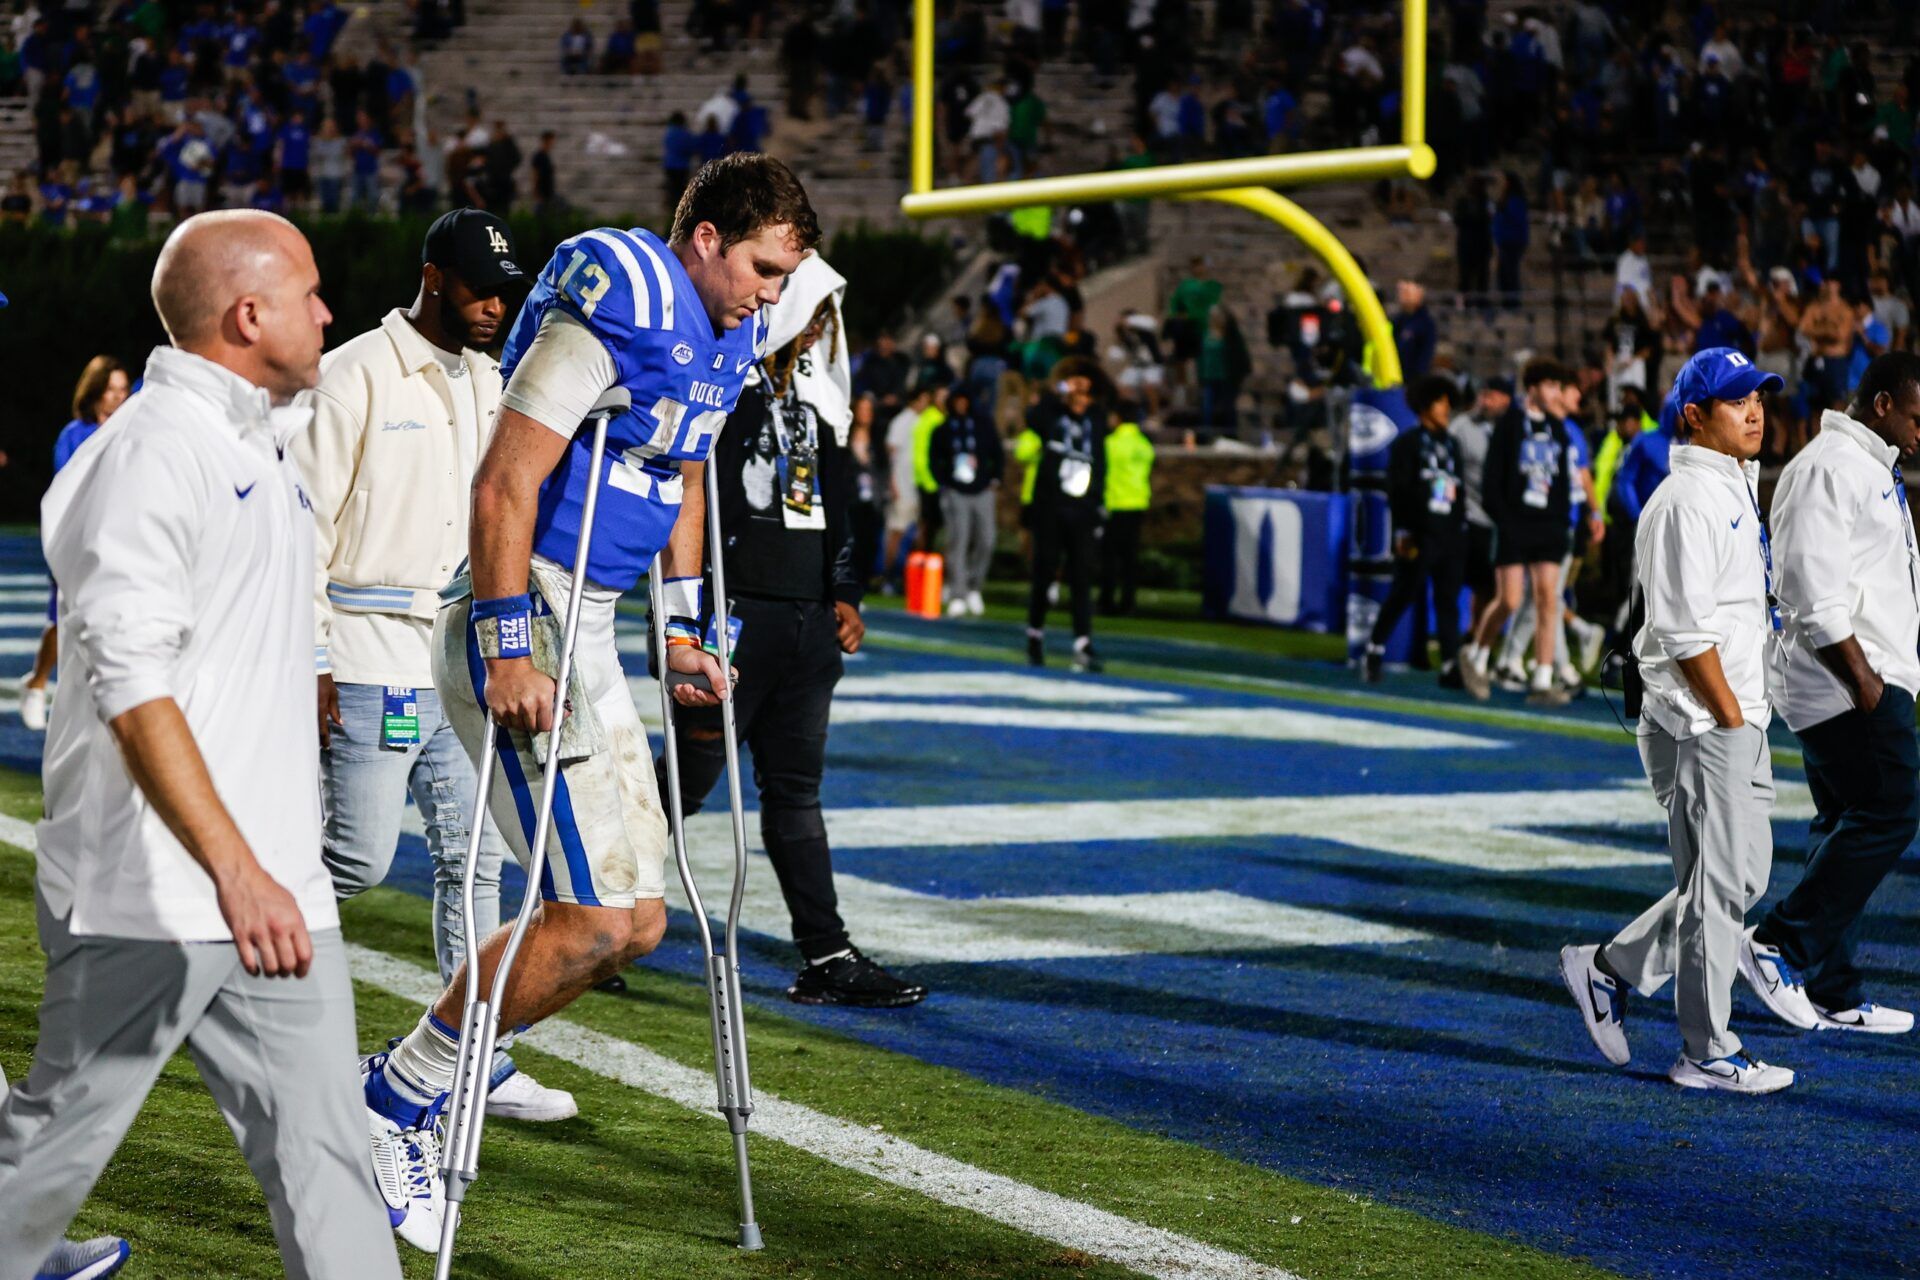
point(1277, 556)
point(1378, 415)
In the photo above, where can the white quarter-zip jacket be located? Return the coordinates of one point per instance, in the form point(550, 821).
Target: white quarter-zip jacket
point(389, 463)
point(1845, 564)
point(1700, 567)
point(182, 541)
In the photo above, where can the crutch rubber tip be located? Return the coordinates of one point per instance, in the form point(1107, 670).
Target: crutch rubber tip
point(750, 1236)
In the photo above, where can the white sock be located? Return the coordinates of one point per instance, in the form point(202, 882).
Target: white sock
point(425, 1060)
point(1475, 656)
point(1082, 643)
point(1543, 675)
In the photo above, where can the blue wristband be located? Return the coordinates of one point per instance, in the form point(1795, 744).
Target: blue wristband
point(509, 619)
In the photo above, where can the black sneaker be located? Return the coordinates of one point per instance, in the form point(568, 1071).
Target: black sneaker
point(614, 986)
point(853, 980)
point(1085, 659)
point(1370, 667)
point(1036, 651)
point(1450, 678)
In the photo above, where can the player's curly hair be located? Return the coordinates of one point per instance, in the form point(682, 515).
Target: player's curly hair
point(740, 195)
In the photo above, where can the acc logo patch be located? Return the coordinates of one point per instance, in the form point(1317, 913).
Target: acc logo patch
point(682, 353)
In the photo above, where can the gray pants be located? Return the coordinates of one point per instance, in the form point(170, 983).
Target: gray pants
point(276, 1053)
point(1718, 793)
point(970, 534)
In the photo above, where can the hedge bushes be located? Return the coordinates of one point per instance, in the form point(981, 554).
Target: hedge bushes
point(76, 294)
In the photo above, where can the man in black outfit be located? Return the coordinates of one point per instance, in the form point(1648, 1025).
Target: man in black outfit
point(1069, 493)
point(1429, 510)
point(786, 484)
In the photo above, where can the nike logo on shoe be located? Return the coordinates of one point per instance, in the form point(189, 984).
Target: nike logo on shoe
point(241, 494)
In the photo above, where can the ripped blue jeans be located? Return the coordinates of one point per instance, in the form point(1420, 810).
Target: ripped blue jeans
point(364, 787)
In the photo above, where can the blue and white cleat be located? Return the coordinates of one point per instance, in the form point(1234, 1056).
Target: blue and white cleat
point(1777, 983)
point(406, 1165)
point(1741, 1073)
point(85, 1259)
point(1603, 1005)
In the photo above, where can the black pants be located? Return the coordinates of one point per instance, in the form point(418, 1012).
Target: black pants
point(1120, 561)
point(1861, 769)
point(1444, 564)
point(789, 661)
point(1072, 533)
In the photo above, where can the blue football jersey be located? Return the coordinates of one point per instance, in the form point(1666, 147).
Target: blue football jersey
point(631, 292)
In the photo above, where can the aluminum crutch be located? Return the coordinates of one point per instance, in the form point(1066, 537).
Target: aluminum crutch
point(479, 1030)
point(723, 968)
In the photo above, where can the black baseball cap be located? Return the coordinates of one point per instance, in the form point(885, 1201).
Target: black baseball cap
point(478, 247)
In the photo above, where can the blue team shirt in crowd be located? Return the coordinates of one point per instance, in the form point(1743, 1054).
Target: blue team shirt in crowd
point(1643, 466)
point(1579, 456)
point(71, 437)
point(294, 144)
point(631, 292)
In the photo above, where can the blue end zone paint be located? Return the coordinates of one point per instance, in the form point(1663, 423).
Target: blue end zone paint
point(1450, 1076)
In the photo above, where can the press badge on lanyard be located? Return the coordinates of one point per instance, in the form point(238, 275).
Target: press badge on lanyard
point(399, 718)
point(799, 472)
point(1538, 461)
point(1076, 469)
point(712, 644)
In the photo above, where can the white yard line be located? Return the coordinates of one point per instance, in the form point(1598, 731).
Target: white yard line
point(1068, 1223)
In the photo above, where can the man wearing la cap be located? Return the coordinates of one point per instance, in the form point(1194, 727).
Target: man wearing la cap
point(401, 416)
point(1703, 569)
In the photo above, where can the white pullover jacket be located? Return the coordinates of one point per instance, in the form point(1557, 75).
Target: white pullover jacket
point(1845, 564)
point(1700, 565)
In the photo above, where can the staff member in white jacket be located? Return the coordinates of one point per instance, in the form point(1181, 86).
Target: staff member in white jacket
point(1703, 570)
point(181, 896)
point(401, 416)
point(1844, 673)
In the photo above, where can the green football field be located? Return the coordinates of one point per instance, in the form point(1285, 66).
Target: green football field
point(641, 1185)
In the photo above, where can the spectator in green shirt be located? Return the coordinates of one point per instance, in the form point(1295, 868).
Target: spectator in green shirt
point(1028, 117)
point(1224, 365)
point(1129, 491)
point(1134, 213)
point(1192, 302)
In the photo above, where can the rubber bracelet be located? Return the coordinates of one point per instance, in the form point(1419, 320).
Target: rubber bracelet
point(682, 642)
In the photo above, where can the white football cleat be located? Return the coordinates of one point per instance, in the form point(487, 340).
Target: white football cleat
point(1603, 1005)
point(33, 707)
point(93, 1259)
point(1777, 983)
point(521, 1097)
point(1866, 1016)
point(1742, 1073)
point(406, 1168)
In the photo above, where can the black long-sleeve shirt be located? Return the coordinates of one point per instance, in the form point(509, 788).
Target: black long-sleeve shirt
point(765, 556)
point(1424, 492)
point(954, 438)
point(1527, 480)
point(1068, 442)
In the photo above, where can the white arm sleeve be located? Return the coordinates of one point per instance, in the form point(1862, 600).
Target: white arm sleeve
point(561, 376)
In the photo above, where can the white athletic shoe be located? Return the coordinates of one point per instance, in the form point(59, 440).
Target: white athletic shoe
point(1568, 678)
point(1603, 1005)
point(956, 608)
point(1777, 983)
point(1868, 1017)
point(1591, 638)
point(33, 708)
point(1742, 1073)
point(1510, 678)
point(975, 605)
point(521, 1097)
point(406, 1168)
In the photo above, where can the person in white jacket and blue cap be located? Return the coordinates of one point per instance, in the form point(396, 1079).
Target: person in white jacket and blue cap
point(1703, 575)
point(1845, 669)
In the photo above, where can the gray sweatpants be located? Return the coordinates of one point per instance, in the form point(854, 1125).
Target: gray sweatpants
point(970, 534)
point(1718, 793)
point(277, 1054)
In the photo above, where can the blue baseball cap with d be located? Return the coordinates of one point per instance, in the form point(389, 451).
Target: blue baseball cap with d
point(1719, 373)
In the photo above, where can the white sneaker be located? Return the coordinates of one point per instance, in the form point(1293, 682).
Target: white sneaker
point(1777, 983)
point(1868, 1017)
point(1510, 678)
point(1568, 678)
point(956, 608)
point(1603, 1005)
point(93, 1259)
point(1742, 1073)
point(521, 1097)
point(33, 708)
point(1053, 593)
point(975, 605)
